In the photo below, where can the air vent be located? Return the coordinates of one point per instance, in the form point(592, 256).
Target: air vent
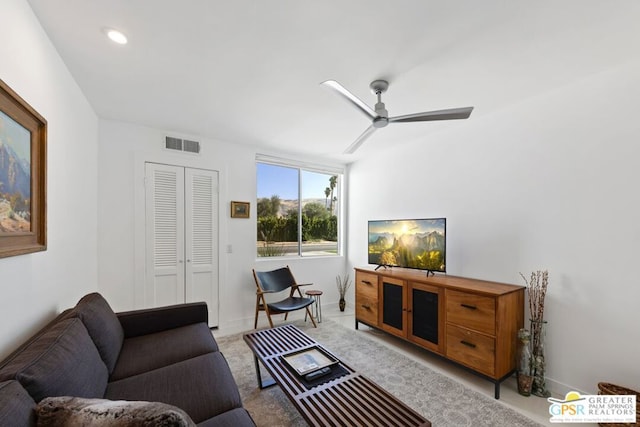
point(185, 145)
point(191, 146)
point(173, 143)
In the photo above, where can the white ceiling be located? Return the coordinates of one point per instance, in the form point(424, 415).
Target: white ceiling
point(248, 71)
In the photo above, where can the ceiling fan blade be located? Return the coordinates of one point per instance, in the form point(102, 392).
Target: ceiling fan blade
point(449, 114)
point(340, 90)
point(358, 142)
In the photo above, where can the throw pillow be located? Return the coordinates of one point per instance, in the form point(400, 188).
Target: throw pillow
point(62, 361)
point(74, 411)
point(103, 326)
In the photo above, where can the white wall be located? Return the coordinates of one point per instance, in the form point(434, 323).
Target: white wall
point(123, 148)
point(550, 183)
point(36, 287)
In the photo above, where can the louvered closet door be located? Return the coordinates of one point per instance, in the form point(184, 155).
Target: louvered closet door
point(165, 272)
point(181, 237)
point(201, 243)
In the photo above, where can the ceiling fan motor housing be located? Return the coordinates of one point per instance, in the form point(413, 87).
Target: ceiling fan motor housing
point(380, 122)
point(378, 87)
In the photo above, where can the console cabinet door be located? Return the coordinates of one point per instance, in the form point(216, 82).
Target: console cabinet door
point(393, 314)
point(426, 316)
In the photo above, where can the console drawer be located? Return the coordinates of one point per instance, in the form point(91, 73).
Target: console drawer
point(472, 349)
point(366, 285)
point(367, 309)
point(471, 311)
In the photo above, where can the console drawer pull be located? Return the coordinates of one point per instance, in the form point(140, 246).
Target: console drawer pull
point(366, 282)
point(468, 344)
point(470, 307)
point(366, 307)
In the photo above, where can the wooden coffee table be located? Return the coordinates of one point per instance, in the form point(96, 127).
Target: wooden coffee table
point(350, 400)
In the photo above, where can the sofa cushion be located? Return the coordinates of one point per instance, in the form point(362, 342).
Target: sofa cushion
point(61, 362)
point(74, 411)
point(202, 386)
point(233, 418)
point(151, 320)
point(148, 352)
point(64, 315)
point(16, 406)
point(103, 326)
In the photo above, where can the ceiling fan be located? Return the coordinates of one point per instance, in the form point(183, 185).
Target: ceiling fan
point(379, 115)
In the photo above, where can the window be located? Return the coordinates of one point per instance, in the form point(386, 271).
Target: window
point(298, 210)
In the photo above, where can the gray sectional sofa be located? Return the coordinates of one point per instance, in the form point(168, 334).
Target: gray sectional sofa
point(165, 354)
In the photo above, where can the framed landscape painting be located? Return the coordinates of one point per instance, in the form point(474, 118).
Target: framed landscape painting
point(240, 209)
point(23, 140)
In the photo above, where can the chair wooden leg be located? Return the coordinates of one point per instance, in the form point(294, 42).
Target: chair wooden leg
point(270, 321)
point(266, 310)
point(255, 322)
point(311, 316)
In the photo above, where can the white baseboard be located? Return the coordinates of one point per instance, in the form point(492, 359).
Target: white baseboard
point(560, 389)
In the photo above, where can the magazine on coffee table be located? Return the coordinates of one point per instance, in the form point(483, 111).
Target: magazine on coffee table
point(309, 360)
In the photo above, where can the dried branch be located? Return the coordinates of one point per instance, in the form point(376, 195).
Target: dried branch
point(537, 290)
point(343, 284)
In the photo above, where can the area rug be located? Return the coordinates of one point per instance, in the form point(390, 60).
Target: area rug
point(443, 401)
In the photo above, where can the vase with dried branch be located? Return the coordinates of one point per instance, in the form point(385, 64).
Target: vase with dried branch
point(537, 291)
point(523, 374)
point(343, 284)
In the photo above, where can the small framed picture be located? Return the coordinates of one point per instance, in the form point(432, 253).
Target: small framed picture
point(240, 209)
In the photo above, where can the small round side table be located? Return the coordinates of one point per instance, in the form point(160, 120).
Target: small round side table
point(318, 305)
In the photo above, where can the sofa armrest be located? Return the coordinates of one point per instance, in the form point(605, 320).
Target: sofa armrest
point(150, 320)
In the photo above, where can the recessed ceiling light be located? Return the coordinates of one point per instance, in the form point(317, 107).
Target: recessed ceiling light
point(116, 36)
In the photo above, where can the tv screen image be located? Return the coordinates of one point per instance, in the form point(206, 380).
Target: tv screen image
point(408, 243)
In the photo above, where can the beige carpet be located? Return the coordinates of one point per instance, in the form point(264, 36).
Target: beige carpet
point(443, 401)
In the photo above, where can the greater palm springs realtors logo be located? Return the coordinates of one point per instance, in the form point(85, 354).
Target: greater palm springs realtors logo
point(593, 408)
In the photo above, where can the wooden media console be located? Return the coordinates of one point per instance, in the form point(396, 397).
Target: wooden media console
point(471, 322)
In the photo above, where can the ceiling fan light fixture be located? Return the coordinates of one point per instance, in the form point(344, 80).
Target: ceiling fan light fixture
point(116, 36)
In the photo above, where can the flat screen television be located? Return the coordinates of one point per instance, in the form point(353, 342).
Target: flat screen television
point(409, 243)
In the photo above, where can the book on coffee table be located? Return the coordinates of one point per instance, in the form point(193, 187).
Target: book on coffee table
point(309, 360)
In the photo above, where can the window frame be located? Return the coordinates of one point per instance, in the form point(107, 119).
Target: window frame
point(301, 166)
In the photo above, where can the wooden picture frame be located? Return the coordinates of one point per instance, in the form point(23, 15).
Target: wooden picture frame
point(23, 174)
point(240, 209)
